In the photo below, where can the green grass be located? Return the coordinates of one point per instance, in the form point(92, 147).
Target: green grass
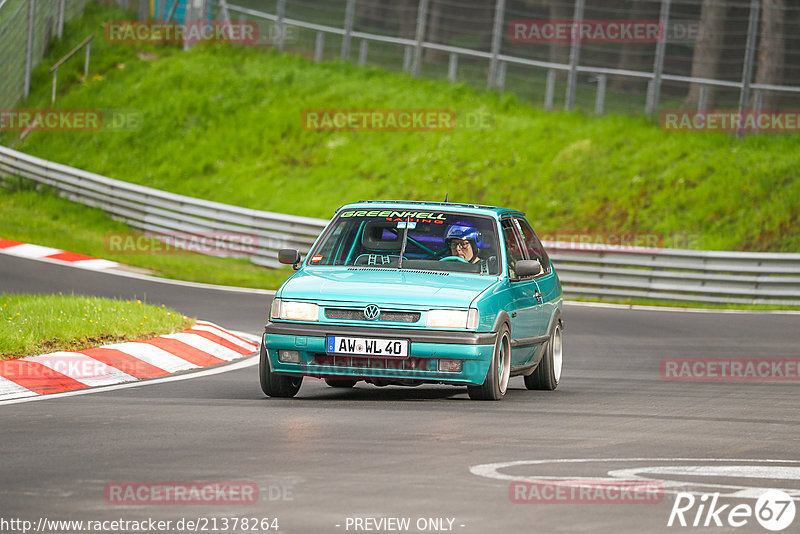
point(45, 219)
point(37, 324)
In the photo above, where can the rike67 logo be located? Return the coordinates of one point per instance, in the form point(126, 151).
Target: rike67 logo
point(774, 510)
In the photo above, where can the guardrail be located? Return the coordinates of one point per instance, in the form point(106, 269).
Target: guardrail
point(152, 210)
point(676, 274)
point(585, 270)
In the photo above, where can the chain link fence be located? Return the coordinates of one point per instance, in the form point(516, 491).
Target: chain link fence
point(27, 28)
point(708, 54)
point(731, 54)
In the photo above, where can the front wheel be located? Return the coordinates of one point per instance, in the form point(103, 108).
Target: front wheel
point(275, 385)
point(548, 373)
point(496, 383)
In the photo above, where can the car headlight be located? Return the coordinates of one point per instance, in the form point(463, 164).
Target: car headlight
point(294, 311)
point(452, 319)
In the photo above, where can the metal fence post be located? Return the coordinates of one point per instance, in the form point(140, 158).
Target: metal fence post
point(279, 25)
point(497, 35)
point(574, 55)
point(550, 89)
point(658, 66)
point(750, 50)
point(223, 11)
point(319, 46)
point(29, 49)
point(144, 10)
point(501, 76)
point(349, 19)
point(422, 19)
point(61, 18)
point(452, 67)
point(55, 85)
point(702, 100)
point(600, 99)
point(362, 52)
point(86, 60)
point(194, 13)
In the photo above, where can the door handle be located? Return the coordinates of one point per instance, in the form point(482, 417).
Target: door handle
point(538, 296)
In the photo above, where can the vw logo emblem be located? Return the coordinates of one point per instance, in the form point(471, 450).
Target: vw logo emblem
point(372, 312)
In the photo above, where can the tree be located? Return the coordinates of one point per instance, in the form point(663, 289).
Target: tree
point(772, 49)
point(707, 49)
point(634, 56)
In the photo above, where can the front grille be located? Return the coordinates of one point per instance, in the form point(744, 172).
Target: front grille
point(396, 364)
point(358, 315)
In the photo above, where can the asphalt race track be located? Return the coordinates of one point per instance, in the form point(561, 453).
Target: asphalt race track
point(333, 461)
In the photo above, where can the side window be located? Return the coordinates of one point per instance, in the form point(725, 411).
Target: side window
point(513, 250)
point(335, 248)
point(533, 245)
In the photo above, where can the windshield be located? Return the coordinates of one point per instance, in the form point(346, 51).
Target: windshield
point(434, 241)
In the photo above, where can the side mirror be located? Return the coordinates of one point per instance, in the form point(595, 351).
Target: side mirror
point(527, 268)
point(289, 256)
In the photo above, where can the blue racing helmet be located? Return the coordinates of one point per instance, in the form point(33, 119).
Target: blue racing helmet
point(463, 231)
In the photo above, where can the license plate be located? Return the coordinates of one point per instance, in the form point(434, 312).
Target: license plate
point(360, 346)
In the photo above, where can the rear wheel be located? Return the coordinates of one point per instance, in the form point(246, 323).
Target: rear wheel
point(335, 383)
point(496, 383)
point(275, 385)
point(548, 373)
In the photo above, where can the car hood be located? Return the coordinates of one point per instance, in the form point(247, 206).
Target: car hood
point(401, 287)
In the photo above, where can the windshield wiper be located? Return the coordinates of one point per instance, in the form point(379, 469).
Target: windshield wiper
point(403, 246)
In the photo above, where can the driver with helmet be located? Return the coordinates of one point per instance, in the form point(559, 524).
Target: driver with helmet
point(463, 244)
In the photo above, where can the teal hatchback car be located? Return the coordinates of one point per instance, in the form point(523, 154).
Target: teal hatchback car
point(405, 293)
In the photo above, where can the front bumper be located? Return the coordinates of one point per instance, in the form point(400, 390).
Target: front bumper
point(425, 349)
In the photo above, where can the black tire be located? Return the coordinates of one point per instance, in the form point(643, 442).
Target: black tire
point(336, 383)
point(496, 383)
point(548, 373)
point(275, 385)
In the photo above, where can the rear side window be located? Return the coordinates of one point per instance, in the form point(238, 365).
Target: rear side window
point(533, 245)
